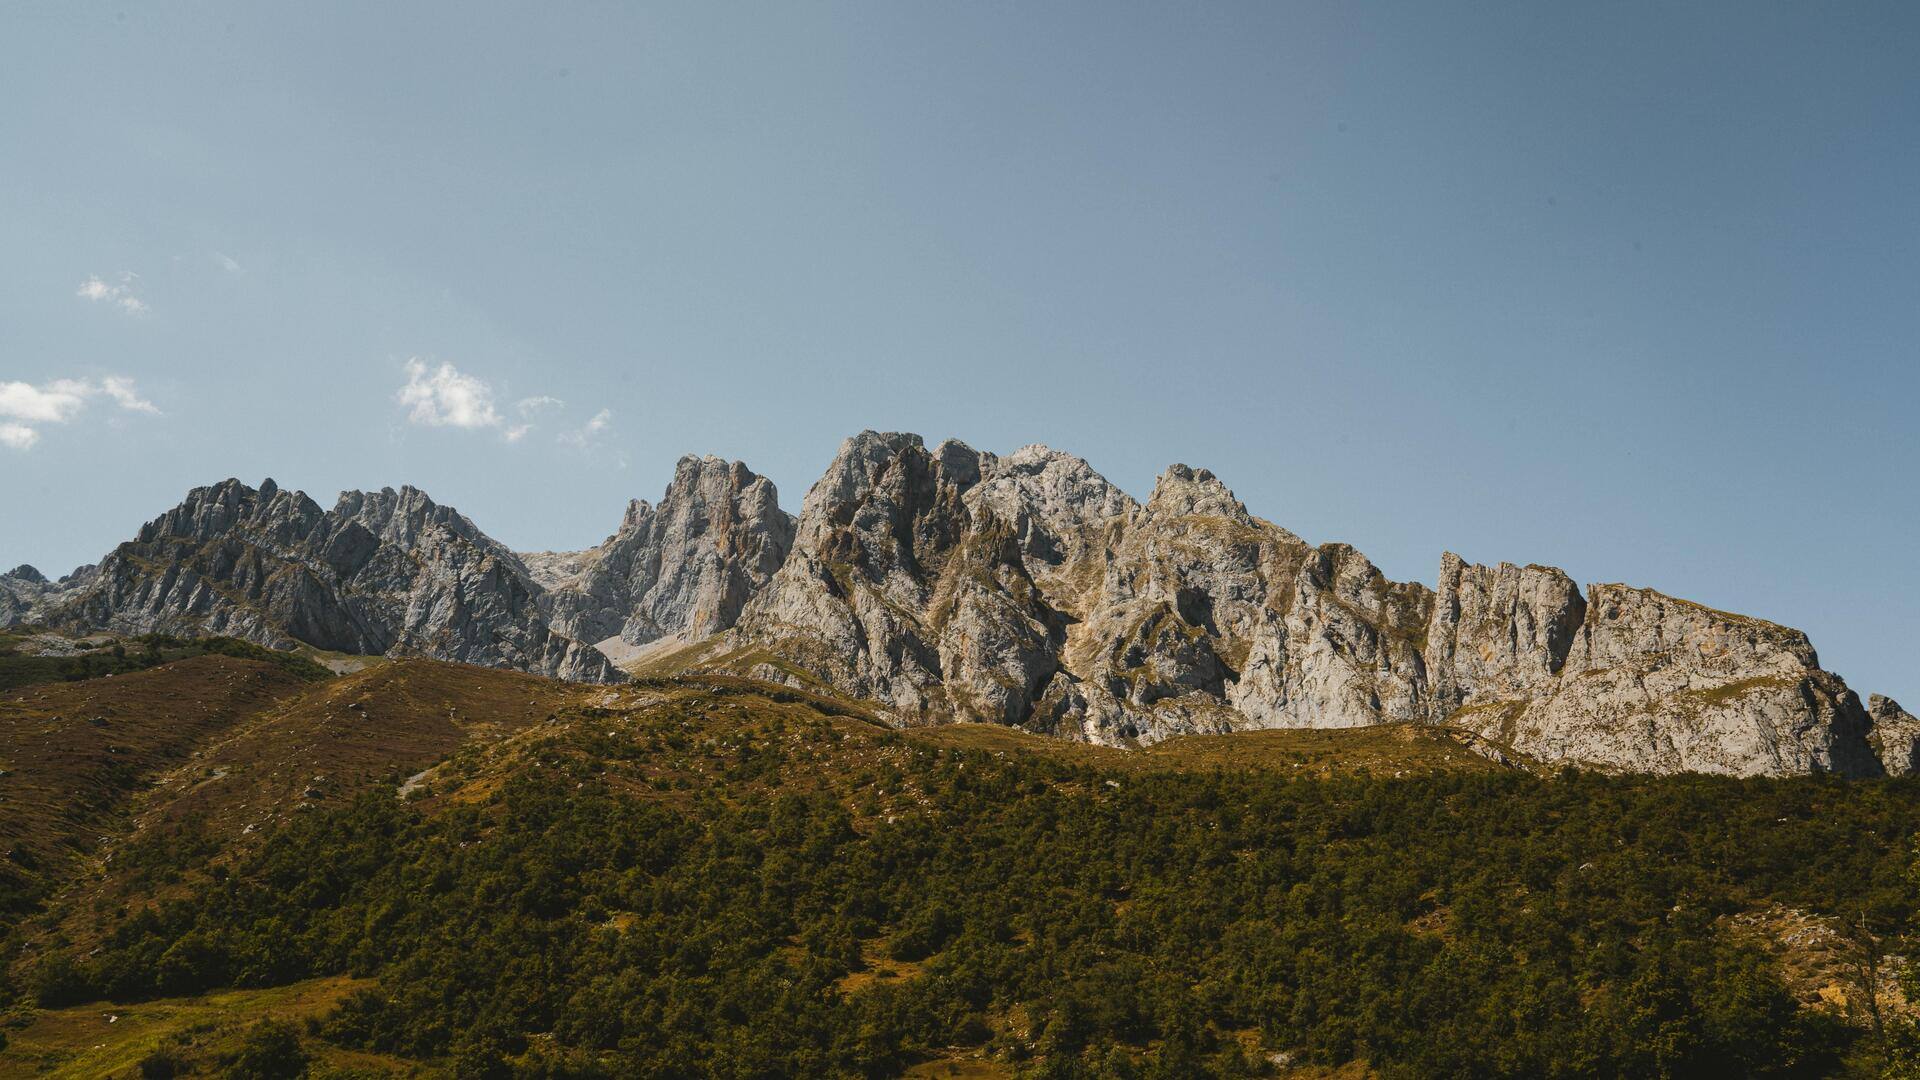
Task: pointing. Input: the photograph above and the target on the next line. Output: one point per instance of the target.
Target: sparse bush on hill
(270, 1051)
(139, 654)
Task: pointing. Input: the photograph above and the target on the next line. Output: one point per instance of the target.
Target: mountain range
(953, 584)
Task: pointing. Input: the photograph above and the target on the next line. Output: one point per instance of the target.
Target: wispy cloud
(121, 295)
(228, 263)
(528, 409)
(120, 389)
(441, 395)
(584, 436)
(445, 397)
(25, 408)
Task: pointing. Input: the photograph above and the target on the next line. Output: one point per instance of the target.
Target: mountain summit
(950, 584)
(384, 572)
(954, 585)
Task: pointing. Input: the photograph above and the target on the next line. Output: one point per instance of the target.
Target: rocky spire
(1895, 735)
(682, 568)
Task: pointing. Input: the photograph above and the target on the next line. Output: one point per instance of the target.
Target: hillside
(74, 754)
(435, 869)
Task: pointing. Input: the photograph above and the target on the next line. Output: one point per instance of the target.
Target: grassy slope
(292, 753)
(98, 770)
(106, 654)
(668, 739)
(227, 746)
(348, 734)
(235, 747)
(76, 752)
(89, 1041)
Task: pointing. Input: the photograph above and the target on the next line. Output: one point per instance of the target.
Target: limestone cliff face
(382, 572)
(948, 583)
(1895, 737)
(855, 600)
(1499, 629)
(682, 568)
(1636, 680)
(26, 596)
(954, 584)
(1209, 618)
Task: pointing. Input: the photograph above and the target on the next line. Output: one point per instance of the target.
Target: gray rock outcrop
(954, 584)
(1635, 680)
(854, 601)
(27, 597)
(382, 572)
(22, 590)
(683, 568)
(1028, 590)
(1202, 604)
(1895, 737)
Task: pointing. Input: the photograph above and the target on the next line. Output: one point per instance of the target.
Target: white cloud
(228, 263)
(121, 295)
(443, 397)
(120, 389)
(48, 403)
(528, 409)
(23, 406)
(584, 436)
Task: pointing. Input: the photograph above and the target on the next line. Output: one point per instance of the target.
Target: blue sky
(1629, 289)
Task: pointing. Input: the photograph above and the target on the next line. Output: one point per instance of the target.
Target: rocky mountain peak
(1056, 482)
(710, 484)
(1183, 492)
(207, 513)
(858, 466)
(1057, 510)
(692, 469)
(959, 463)
(952, 583)
(1895, 735)
(1499, 629)
(25, 594)
(1026, 589)
(383, 572)
(1633, 679)
(404, 517)
(682, 567)
(1626, 623)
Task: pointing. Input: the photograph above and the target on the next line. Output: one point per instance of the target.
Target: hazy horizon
(1634, 292)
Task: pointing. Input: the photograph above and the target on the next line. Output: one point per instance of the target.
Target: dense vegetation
(670, 900)
(136, 654)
